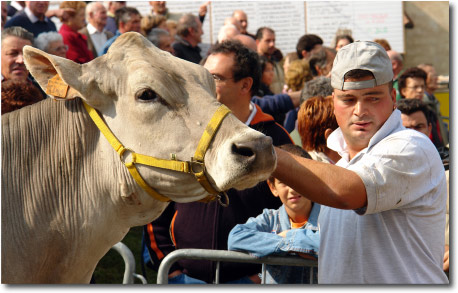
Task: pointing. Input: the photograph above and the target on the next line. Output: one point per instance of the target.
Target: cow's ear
(55, 75)
(61, 78)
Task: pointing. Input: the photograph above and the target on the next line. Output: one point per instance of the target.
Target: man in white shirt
(382, 218)
(97, 36)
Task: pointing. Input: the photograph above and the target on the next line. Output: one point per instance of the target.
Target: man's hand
(203, 9)
(62, 13)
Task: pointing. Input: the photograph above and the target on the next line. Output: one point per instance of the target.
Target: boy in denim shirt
(293, 228)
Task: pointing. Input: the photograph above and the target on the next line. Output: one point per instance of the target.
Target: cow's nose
(249, 150)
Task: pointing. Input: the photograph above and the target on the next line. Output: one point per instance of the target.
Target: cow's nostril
(243, 149)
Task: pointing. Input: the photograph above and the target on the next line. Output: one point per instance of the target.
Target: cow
(67, 195)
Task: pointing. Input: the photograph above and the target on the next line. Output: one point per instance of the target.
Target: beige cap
(361, 55)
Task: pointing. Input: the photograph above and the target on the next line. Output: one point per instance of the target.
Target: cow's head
(158, 105)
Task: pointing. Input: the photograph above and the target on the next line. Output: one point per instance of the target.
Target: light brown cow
(67, 197)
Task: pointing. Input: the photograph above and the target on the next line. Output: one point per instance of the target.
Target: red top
(78, 50)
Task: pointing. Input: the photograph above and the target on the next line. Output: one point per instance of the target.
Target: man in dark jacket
(237, 76)
(189, 35)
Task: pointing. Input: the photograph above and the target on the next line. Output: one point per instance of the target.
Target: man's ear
(247, 83)
(327, 133)
(393, 95)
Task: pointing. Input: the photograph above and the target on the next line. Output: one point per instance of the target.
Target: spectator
(315, 122)
(78, 50)
(13, 40)
(247, 41)
(237, 73)
(307, 44)
(33, 18)
(112, 6)
(161, 39)
(298, 73)
(17, 94)
(150, 22)
(13, 68)
(267, 69)
(233, 21)
(189, 35)
(319, 86)
(388, 191)
(241, 16)
(291, 229)
(160, 8)
(95, 32)
(290, 57)
(397, 65)
(52, 43)
(384, 43)
(227, 32)
(430, 99)
(265, 42)
(321, 61)
(128, 19)
(343, 40)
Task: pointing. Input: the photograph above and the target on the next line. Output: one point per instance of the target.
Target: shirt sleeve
(399, 172)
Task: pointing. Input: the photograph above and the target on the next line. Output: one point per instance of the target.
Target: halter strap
(196, 166)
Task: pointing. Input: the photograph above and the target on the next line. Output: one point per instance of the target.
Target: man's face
(99, 17)
(159, 7)
(165, 44)
(197, 34)
(242, 18)
(133, 25)
(361, 113)
(12, 59)
(417, 121)
(266, 45)
(38, 8)
(221, 65)
(414, 89)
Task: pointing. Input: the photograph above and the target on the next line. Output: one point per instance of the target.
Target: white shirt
(98, 38)
(399, 237)
(30, 15)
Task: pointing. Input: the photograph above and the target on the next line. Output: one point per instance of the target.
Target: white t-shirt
(399, 237)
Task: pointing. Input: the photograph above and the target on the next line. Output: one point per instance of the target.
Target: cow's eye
(147, 95)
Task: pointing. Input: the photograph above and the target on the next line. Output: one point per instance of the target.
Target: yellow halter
(196, 166)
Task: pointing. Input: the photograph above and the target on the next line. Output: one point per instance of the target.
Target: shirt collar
(91, 29)
(252, 114)
(336, 140)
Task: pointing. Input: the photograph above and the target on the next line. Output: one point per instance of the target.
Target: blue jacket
(276, 105)
(110, 42)
(258, 236)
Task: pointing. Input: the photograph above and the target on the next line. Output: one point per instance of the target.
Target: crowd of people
(353, 188)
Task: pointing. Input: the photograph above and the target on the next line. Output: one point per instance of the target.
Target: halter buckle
(123, 155)
(196, 166)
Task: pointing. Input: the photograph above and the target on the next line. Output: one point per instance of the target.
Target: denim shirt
(258, 236)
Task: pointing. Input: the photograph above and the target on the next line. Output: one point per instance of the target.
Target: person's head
(235, 22)
(161, 39)
(415, 115)
(267, 69)
(265, 41)
(247, 41)
(150, 22)
(13, 40)
(290, 57)
(227, 31)
(297, 74)
(396, 61)
(17, 94)
(128, 19)
(52, 43)
(315, 122)
(189, 28)
(343, 40)
(38, 8)
(115, 5)
(431, 77)
(296, 205)
(75, 20)
(321, 61)
(242, 18)
(412, 83)
(319, 86)
(384, 43)
(307, 44)
(159, 7)
(364, 97)
(96, 15)
(236, 71)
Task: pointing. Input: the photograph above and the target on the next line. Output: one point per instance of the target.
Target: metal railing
(229, 256)
(129, 261)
